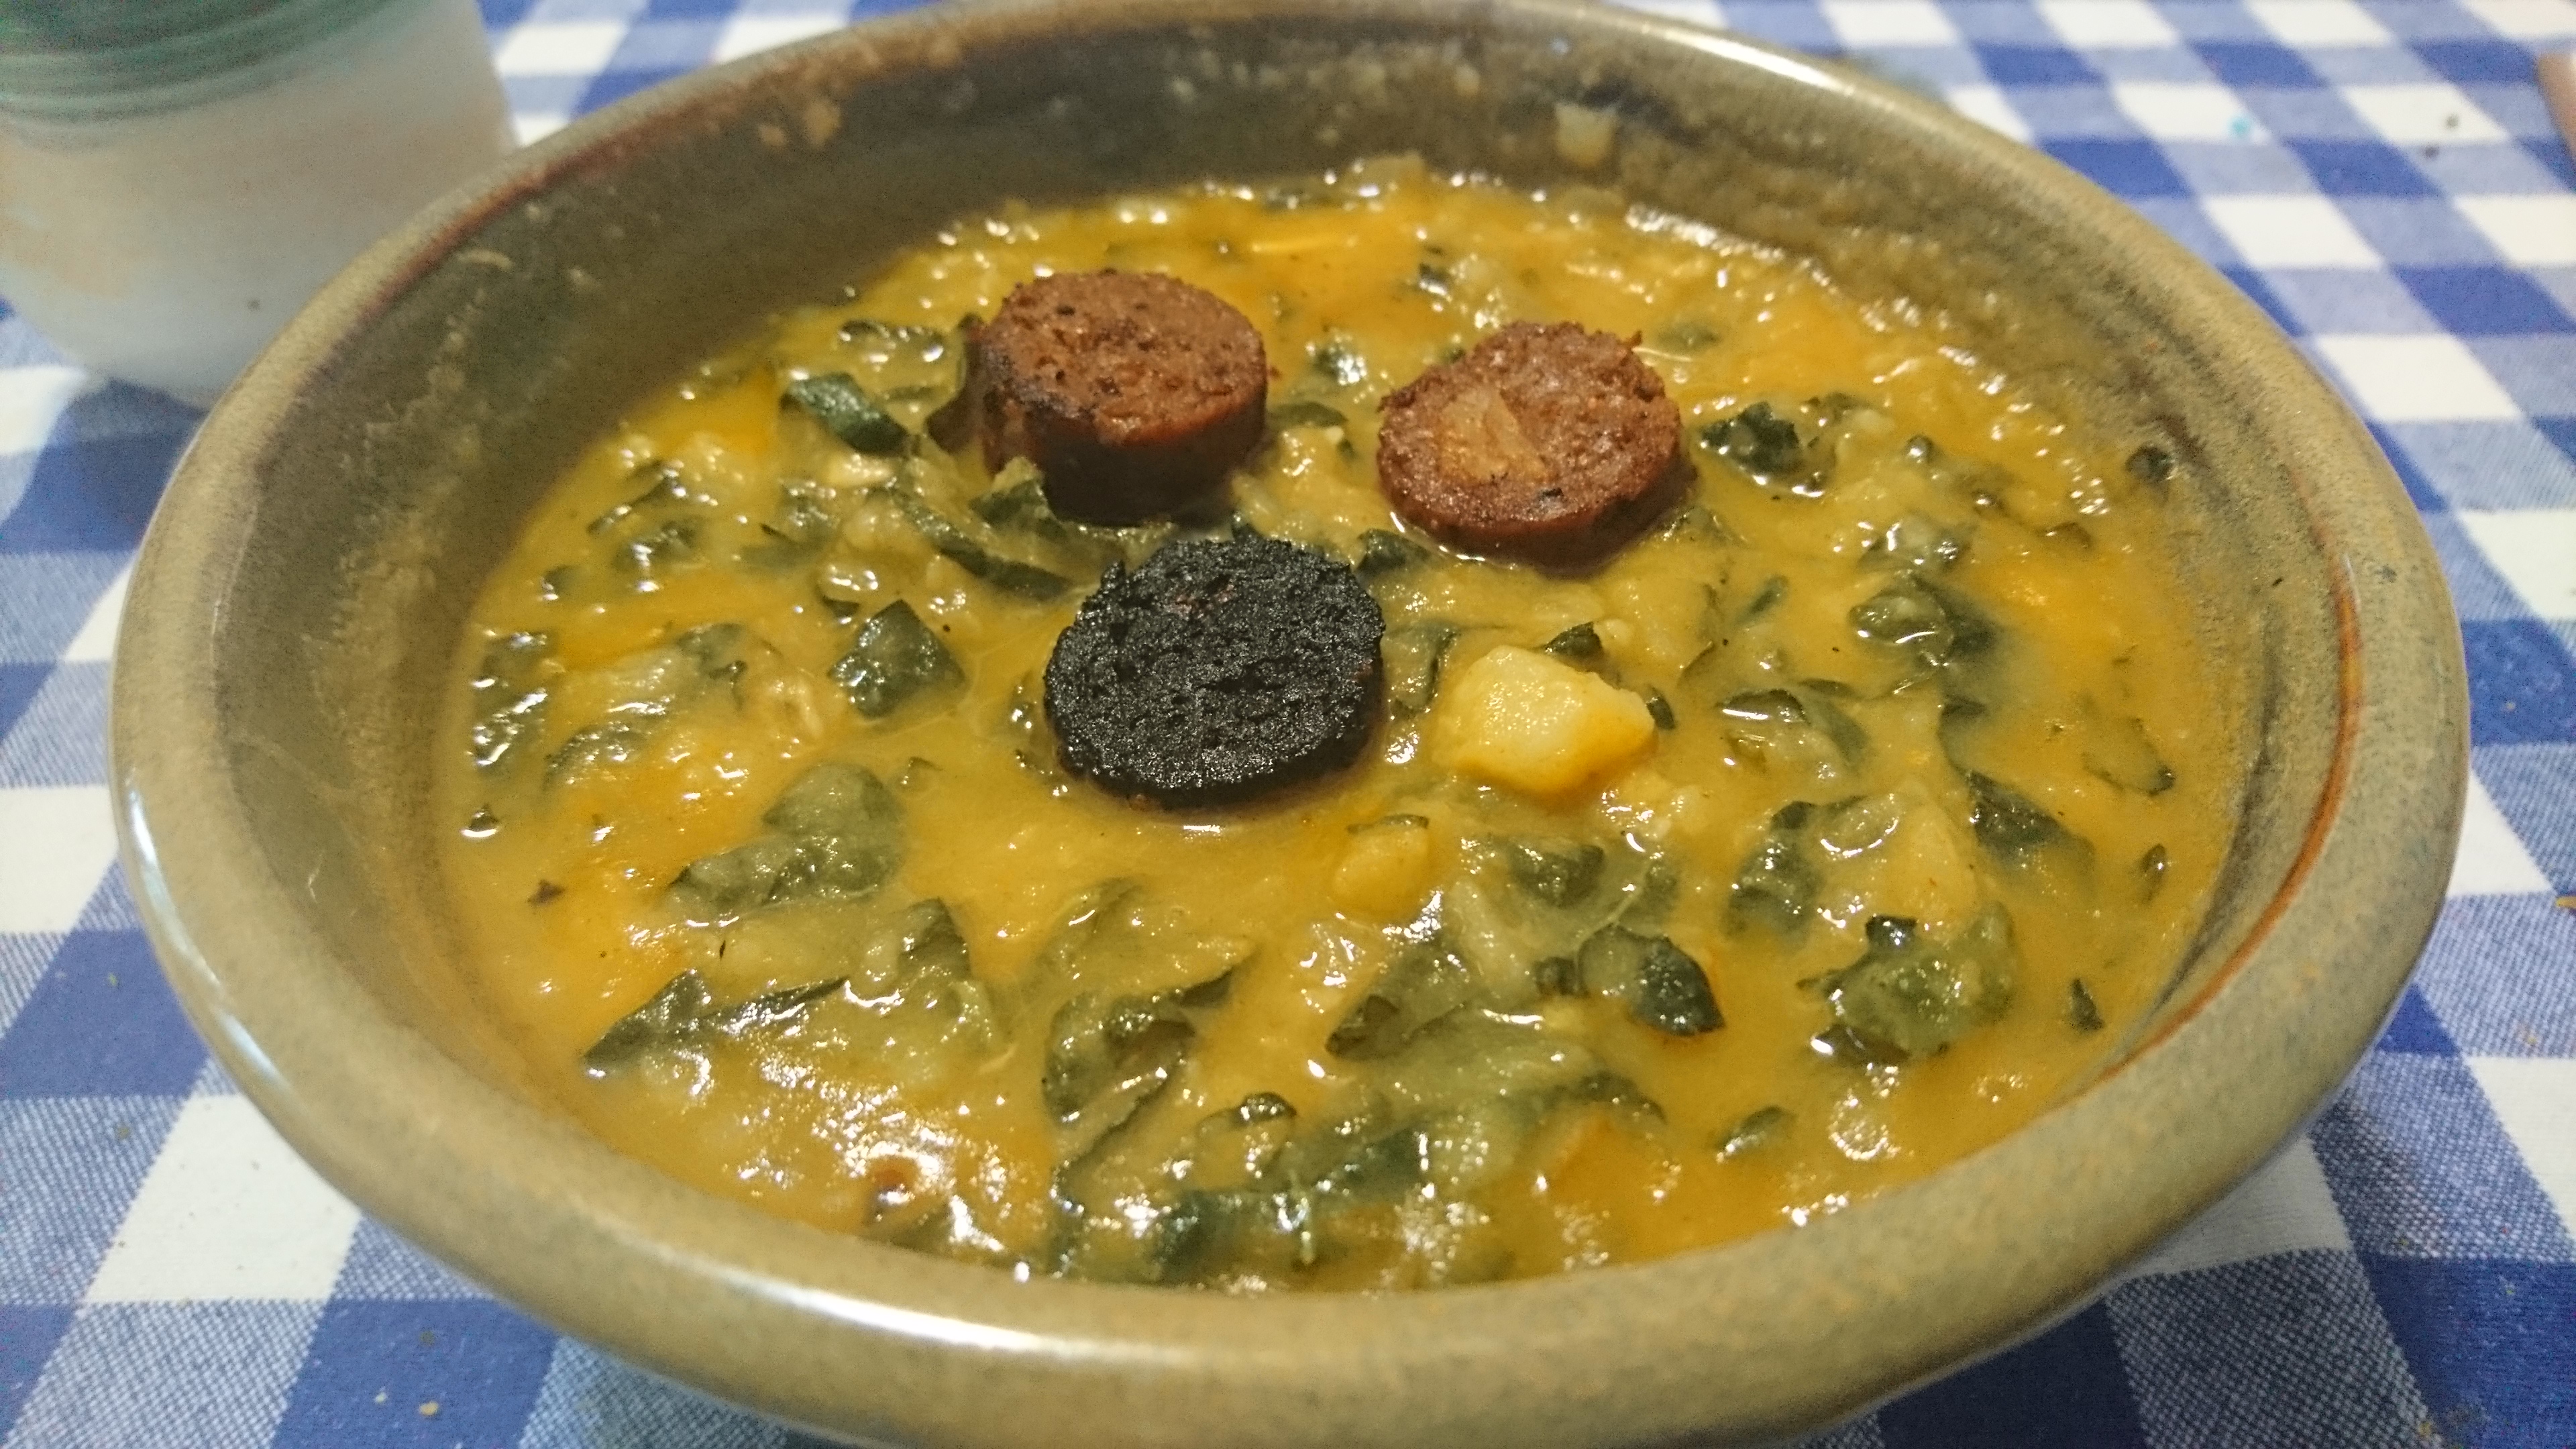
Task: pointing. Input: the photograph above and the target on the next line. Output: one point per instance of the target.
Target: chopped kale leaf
(2081, 1013)
(509, 692)
(618, 741)
(796, 530)
(1337, 362)
(1580, 644)
(1262, 1107)
(1558, 976)
(835, 832)
(659, 550)
(894, 659)
(1758, 1130)
(848, 413)
(665, 487)
(1777, 885)
(1908, 996)
(2118, 752)
(1764, 706)
(1011, 576)
(1915, 544)
(2010, 825)
(1119, 1046)
(1936, 625)
(1306, 413)
(1661, 709)
(1383, 552)
(1661, 985)
(1412, 655)
(1559, 872)
(1766, 598)
(1686, 336)
(1759, 441)
(684, 1017)
(2151, 872)
(1425, 982)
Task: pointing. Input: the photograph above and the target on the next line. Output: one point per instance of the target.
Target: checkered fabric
(2381, 177)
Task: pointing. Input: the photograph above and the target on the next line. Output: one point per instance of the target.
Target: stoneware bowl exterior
(300, 599)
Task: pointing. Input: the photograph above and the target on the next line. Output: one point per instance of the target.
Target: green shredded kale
(1011, 576)
(683, 1016)
(1383, 552)
(1580, 644)
(1412, 655)
(1661, 985)
(849, 413)
(1758, 1130)
(1777, 884)
(894, 659)
(2010, 825)
(1426, 981)
(509, 693)
(1759, 441)
(835, 832)
(1306, 413)
(2081, 1013)
(1908, 996)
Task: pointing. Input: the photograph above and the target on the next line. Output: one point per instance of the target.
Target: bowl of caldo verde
(1283, 724)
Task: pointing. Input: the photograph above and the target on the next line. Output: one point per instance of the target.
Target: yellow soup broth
(870, 959)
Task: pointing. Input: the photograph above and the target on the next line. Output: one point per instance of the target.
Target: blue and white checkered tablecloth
(2382, 177)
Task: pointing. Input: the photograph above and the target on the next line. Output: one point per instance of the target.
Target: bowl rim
(546, 1215)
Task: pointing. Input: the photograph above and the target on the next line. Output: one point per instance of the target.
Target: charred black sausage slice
(1549, 443)
(1134, 393)
(1221, 670)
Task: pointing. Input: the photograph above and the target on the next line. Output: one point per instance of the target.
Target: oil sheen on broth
(768, 861)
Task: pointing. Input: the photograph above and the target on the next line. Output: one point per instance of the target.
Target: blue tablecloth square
(2283, 1351)
(18, 686)
(2415, 1030)
(2036, 65)
(2477, 1201)
(2470, 62)
(68, 1168)
(2497, 301)
(2418, 231)
(2535, 786)
(2132, 168)
(2522, 685)
(101, 1022)
(2495, 971)
(2257, 63)
(2362, 168)
(61, 738)
(94, 497)
(50, 595)
(416, 1375)
(2488, 1339)
(168, 1375)
(2066, 1387)
(27, 1339)
(2502, 464)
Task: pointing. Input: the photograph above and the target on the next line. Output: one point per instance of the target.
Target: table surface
(2381, 177)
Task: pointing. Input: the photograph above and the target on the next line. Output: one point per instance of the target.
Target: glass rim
(80, 59)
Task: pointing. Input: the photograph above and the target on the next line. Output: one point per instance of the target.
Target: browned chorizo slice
(1546, 442)
(1133, 393)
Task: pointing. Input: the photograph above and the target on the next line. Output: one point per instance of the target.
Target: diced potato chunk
(1385, 871)
(1522, 719)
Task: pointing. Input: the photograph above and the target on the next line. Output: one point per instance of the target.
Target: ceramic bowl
(300, 598)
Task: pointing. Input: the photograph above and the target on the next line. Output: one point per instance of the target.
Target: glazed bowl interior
(302, 597)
